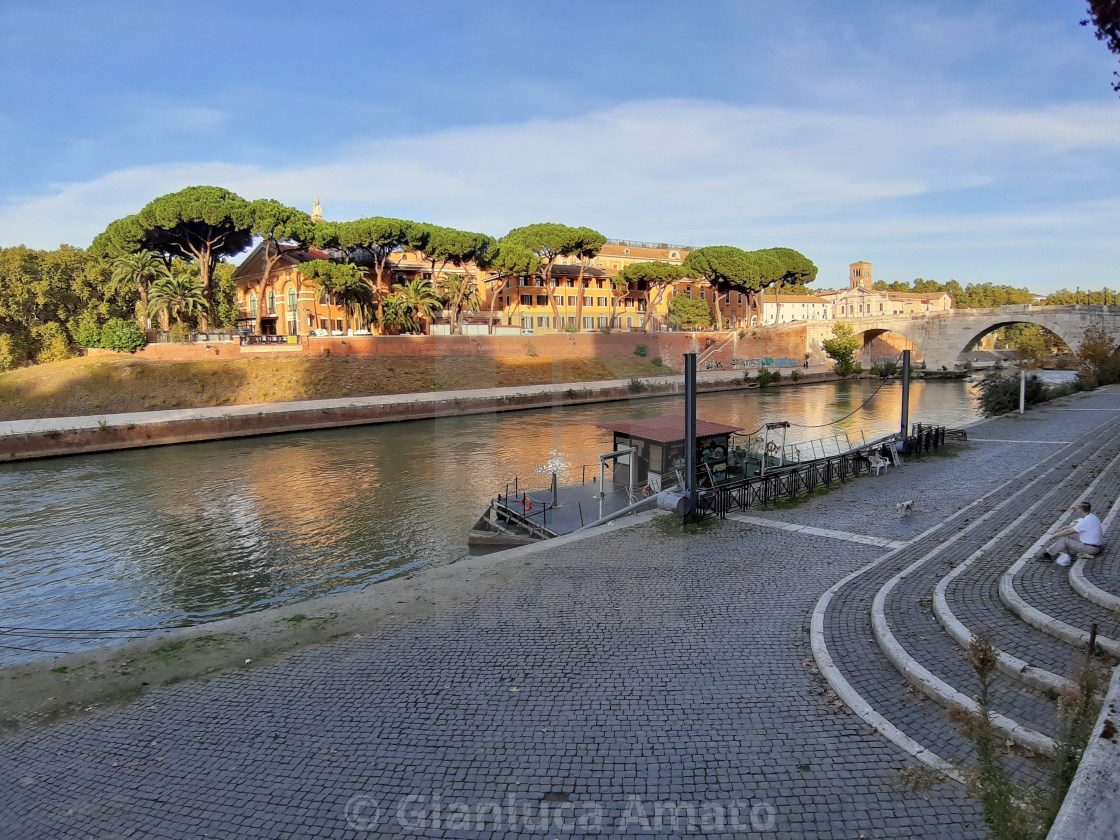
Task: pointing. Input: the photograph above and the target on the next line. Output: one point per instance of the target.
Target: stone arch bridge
(940, 337)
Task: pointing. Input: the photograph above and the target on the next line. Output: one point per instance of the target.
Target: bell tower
(859, 275)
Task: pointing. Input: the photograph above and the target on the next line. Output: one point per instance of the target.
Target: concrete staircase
(892, 638)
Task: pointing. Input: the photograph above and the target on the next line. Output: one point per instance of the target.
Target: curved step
(938, 688)
(1057, 626)
(1047, 623)
(1033, 675)
(1089, 590)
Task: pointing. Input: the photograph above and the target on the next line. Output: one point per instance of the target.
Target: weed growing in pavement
(1011, 811)
(674, 525)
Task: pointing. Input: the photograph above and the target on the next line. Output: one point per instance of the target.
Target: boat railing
(800, 479)
(796, 452)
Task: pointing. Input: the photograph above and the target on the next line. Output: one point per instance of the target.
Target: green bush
(181, 334)
(999, 394)
(8, 357)
(122, 336)
(53, 343)
(795, 374)
(636, 386)
(641, 350)
(768, 377)
(86, 330)
(657, 361)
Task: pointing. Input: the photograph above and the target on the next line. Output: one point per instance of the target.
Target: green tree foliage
(651, 277)
(508, 260)
(999, 394)
(1104, 16)
(458, 293)
(1031, 341)
(132, 277)
(1065, 297)
(178, 293)
(687, 313)
(347, 284)
(199, 224)
(417, 301)
(1094, 352)
(588, 243)
(972, 296)
(842, 349)
(225, 296)
(725, 267)
(549, 241)
(122, 336)
(8, 357)
(443, 246)
(50, 287)
(282, 229)
(53, 343)
(372, 240)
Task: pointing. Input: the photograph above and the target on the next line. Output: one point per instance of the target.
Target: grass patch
(674, 525)
(61, 669)
(81, 386)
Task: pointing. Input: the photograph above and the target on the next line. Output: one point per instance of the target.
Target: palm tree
(420, 298)
(179, 294)
(459, 293)
(136, 272)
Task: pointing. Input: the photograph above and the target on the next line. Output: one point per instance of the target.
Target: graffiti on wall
(764, 362)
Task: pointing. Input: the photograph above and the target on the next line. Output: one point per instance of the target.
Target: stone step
(851, 660)
(1098, 580)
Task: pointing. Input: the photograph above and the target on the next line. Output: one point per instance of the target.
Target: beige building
(861, 300)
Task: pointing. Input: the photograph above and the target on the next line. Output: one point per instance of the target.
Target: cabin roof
(667, 429)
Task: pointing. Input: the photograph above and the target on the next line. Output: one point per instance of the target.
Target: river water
(183, 534)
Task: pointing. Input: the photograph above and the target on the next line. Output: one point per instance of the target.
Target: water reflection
(201, 531)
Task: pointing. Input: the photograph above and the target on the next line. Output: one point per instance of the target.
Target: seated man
(1082, 537)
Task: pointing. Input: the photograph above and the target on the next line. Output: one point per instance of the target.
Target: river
(175, 535)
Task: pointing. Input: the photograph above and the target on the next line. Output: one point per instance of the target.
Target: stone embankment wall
(28, 439)
(777, 343)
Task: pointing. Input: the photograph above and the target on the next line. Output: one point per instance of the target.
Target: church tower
(859, 275)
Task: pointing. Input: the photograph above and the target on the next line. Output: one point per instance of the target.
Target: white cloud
(671, 170)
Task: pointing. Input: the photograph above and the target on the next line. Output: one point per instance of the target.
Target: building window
(571, 300)
(542, 321)
(602, 323)
(252, 306)
(588, 323)
(601, 301)
(324, 298)
(673, 255)
(291, 299)
(526, 300)
(587, 300)
(271, 302)
(629, 322)
(559, 299)
(703, 294)
(542, 300)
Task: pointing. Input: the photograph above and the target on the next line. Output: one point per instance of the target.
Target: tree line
(168, 262)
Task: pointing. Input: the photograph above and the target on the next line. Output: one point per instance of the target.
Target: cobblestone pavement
(1035, 486)
(618, 686)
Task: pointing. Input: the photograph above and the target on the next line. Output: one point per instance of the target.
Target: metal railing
(797, 480)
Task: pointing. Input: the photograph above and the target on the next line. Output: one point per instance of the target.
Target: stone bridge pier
(940, 337)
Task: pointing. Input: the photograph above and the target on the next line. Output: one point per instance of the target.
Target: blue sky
(964, 140)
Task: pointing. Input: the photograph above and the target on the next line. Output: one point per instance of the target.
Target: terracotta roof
(916, 294)
(667, 429)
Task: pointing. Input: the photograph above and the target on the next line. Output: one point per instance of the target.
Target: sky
(975, 141)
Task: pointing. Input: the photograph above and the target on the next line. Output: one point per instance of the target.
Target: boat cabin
(660, 441)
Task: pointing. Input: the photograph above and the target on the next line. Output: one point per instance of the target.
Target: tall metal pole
(690, 431)
(1022, 390)
(905, 392)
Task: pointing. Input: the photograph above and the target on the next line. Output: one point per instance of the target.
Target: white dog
(906, 507)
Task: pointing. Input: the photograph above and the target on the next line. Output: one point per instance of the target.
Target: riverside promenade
(781, 674)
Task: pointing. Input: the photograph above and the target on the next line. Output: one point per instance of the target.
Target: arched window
(271, 302)
(252, 306)
(291, 298)
(324, 298)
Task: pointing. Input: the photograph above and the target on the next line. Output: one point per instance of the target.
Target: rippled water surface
(188, 533)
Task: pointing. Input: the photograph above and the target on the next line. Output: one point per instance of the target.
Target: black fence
(762, 490)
